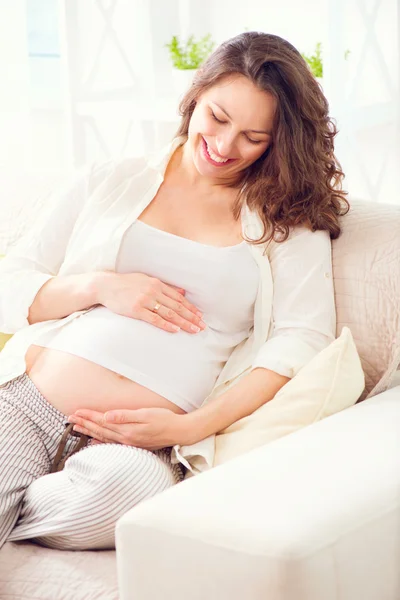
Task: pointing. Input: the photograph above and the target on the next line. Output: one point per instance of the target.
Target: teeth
(214, 157)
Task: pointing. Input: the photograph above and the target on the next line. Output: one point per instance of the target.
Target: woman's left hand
(149, 428)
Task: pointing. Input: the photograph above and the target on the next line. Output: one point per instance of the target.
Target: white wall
(302, 23)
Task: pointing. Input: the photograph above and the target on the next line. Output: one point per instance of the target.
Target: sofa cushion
(366, 272)
(29, 571)
(332, 381)
(27, 193)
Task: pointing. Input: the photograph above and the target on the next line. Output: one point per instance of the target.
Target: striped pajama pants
(76, 508)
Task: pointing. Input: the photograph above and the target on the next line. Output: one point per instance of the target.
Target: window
(44, 54)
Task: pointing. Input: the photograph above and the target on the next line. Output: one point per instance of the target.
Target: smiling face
(230, 128)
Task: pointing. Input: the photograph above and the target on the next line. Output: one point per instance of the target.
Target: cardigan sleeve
(38, 255)
(303, 310)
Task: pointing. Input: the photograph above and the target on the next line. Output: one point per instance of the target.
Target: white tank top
(182, 367)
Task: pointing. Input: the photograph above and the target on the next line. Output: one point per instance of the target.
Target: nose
(225, 145)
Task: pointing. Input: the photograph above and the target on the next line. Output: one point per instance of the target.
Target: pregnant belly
(70, 382)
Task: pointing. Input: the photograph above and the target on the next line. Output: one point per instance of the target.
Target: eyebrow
(252, 130)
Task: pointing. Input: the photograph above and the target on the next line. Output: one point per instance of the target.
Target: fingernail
(199, 314)
(194, 328)
(202, 324)
(176, 328)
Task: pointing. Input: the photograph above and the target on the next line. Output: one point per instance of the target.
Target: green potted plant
(186, 57)
(315, 62)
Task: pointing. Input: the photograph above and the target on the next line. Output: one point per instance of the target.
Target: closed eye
(246, 136)
(253, 141)
(215, 118)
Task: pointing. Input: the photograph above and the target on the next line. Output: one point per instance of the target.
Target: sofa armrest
(313, 515)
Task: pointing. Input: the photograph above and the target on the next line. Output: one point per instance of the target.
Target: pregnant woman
(151, 286)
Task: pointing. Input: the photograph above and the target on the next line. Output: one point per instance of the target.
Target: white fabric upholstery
(22, 196)
(312, 515)
(366, 273)
(31, 572)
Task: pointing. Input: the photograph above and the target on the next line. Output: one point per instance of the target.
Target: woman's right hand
(135, 295)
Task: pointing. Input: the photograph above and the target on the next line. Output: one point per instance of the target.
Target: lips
(210, 160)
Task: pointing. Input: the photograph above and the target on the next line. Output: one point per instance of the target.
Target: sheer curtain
(34, 157)
(14, 73)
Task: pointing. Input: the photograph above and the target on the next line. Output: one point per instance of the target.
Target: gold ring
(156, 307)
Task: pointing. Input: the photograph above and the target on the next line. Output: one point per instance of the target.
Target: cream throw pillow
(331, 381)
(3, 339)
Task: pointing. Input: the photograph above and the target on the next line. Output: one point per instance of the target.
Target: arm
(249, 393)
(303, 311)
(30, 288)
(304, 322)
(61, 296)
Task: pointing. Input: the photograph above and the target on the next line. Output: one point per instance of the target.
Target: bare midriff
(69, 382)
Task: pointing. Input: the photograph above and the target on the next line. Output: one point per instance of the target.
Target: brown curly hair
(297, 181)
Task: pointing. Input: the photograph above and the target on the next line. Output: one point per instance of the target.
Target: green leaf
(190, 54)
(314, 61)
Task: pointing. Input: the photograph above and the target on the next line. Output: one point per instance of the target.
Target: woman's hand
(135, 295)
(149, 428)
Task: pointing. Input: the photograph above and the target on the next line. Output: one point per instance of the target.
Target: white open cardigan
(81, 231)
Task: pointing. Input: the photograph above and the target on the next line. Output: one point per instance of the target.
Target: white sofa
(312, 516)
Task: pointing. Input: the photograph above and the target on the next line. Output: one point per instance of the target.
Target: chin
(202, 169)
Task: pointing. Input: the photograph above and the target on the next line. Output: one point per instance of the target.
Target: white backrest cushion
(22, 196)
(366, 272)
